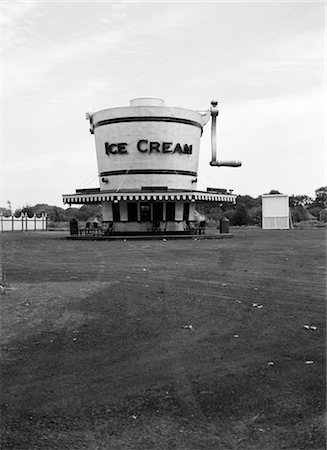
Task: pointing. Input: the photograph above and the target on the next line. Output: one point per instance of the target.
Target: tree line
(246, 211)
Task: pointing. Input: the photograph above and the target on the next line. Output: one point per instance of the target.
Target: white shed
(275, 212)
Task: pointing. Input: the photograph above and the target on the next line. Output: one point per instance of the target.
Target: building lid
(147, 101)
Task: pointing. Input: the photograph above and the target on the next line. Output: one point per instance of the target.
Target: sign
(145, 146)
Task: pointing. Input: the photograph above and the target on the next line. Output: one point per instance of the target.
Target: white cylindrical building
(147, 144)
(147, 156)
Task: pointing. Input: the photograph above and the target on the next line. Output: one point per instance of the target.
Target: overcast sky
(263, 61)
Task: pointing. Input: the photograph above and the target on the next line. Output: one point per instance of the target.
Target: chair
(202, 227)
(107, 227)
(156, 226)
(188, 227)
(111, 227)
(96, 229)
(86, 229)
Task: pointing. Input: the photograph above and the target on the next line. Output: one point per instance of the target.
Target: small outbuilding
(275, 212)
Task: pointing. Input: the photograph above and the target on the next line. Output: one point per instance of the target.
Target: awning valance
(82, 198)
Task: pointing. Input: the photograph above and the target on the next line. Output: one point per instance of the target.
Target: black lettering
(144, 146)
(154, 146)
(110, 148)
(122, 147)
(141, 142)
(188, 149)
(178, 148)
(165, 147)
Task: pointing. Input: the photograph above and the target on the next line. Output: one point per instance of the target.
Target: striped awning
(82, 198)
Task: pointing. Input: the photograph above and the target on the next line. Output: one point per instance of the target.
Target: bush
(315, 211)
(57, 226)
(299, 214)
(57, 214)
(240, 216)
(255, 215)
(215, 214)
(229, 213)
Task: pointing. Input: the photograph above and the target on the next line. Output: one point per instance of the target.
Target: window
(115, 212)
(170, 211)
(186, 211)
(145, 210)
(132, 212)
(157, 211)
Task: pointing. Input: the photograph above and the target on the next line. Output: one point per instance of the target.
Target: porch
(156, 227)
(155, 230)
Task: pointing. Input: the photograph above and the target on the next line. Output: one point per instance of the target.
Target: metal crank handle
(214, 113)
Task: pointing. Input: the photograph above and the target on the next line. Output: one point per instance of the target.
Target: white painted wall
(275, 212)
(131, 133)
(106, 211)
(179, 207)
(123, 211)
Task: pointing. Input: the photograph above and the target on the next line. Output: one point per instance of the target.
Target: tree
(71, 213)
(321, 197)
(58, 214)
(273, 191)
(229, 213)
(255, 215)
(215, 214)
(300, 200)
(87, 211)
(5, 212)
(299, 214)
(248, 201)
(240, 216)
(315, 211)
(27, 209)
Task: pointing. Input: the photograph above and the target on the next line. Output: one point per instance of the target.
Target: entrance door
(186, 211)
(132, 212)
(157, 211)
(170, 211)
(145, 212)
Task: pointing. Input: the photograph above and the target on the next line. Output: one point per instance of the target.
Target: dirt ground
(167, 344)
